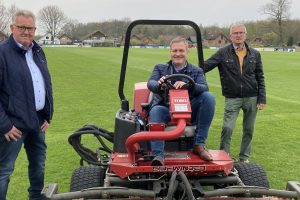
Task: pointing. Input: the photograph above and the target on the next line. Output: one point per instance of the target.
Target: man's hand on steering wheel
(177, 84)
(165, 82)
(180, 84)
(161, 80)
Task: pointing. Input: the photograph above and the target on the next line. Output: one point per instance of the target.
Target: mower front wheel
(252, 174)
(87, 177)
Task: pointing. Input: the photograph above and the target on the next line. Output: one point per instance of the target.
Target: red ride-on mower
(126, 172)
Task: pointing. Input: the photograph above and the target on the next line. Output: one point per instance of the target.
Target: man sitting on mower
(202, 101)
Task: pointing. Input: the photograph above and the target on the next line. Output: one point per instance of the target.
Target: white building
(46, 39)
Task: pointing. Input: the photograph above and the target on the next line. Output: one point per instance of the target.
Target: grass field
(85, 84)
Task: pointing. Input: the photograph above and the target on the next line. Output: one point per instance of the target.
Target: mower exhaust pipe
(133, 140)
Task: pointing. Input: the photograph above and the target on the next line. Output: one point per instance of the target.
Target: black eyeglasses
(238, 33)
(24, 28)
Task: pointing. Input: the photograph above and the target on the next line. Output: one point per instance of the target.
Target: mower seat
(146, 106)
(189, 130)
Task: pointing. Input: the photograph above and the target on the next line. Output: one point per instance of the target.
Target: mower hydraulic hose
(153, 135)
(187, 185)
(173, 184)
(85, 153)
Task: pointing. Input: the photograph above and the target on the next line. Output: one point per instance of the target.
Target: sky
(206, 12)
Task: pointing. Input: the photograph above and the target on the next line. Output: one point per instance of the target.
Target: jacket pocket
(252, 64)
(230, 65)
(229, 62)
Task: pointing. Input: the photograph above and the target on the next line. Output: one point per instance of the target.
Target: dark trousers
(35, 146)
(231, 112)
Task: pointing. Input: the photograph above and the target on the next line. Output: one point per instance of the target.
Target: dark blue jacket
(17, 102)
(196, 73)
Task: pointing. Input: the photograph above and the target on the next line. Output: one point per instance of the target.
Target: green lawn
(85, 84)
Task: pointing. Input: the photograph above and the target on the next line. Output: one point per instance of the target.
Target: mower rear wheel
(87, 177)
(252, 174)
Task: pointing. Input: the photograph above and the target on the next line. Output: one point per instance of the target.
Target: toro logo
(182, 100)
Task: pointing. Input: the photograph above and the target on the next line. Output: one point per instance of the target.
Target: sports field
(85, 84)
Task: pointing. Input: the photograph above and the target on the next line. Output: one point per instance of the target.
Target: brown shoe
(157, 161)
(202, 152)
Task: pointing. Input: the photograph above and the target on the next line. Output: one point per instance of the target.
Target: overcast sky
(205, 12)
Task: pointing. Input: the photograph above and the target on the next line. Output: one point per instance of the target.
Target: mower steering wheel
(168, 85)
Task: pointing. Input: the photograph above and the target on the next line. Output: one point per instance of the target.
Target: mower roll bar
(124, 101)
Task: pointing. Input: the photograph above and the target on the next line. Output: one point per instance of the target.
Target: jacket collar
(246, 45)
(18, 49)
(188, 66)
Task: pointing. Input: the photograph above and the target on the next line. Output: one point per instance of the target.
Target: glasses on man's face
(238, 33)
(24, 28)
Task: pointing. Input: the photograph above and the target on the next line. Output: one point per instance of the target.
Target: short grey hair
(237, 25)
(178, 40)
(24, 13)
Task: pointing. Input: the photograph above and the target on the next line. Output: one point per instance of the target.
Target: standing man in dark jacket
(26, 103)
(202, 101)
(243, 85)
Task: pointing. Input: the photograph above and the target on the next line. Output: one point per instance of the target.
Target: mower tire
(252, 174)
(87, 177)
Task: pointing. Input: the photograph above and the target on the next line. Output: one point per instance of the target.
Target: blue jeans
(35, 146)
(203, 109)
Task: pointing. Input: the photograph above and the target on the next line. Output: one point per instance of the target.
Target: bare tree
(5, 16)
(51, 20)
(2, 15)
(278, 10)
(70, 27)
